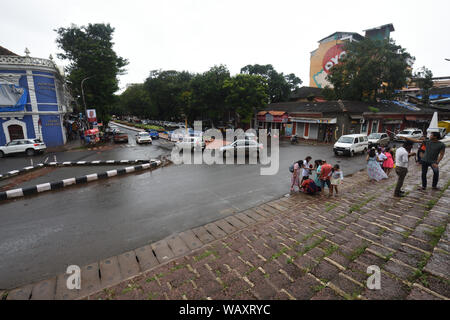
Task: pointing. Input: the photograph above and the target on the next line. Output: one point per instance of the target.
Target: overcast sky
(195, 35)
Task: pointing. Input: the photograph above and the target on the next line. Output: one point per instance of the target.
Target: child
(336, 177)
(388, 164)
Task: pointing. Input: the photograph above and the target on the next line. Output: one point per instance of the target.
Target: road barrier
(21, 192)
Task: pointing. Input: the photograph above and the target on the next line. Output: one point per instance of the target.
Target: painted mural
(322, 60)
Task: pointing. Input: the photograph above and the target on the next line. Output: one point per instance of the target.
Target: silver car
(378, 139)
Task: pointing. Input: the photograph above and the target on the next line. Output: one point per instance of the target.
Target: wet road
(41, 235)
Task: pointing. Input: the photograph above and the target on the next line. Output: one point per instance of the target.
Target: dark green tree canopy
(371, 69)
(424, 79)
(280, 85)
(89, 50)
(246, 94)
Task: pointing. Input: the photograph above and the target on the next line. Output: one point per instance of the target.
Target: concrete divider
(21, 192)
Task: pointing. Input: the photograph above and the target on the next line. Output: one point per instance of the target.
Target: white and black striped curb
(128, 127)
(21, 192)
(68, 164)
(20, 171)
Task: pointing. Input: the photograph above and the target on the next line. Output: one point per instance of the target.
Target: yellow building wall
(325, 56)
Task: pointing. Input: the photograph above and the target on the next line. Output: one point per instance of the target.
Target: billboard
(322, 60)
(91, 115)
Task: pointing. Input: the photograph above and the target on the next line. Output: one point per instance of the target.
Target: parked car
(143, 137)
(250, 146)
(120, 137)
(410, 133)
(378, 139)
(29, 146)
(350, 144)
(193, 143)
(153, 133)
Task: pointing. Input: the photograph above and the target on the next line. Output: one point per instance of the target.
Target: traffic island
(21, 192)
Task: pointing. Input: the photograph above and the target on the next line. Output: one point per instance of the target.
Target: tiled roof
(6, 52)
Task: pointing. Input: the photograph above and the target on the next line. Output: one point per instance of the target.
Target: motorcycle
(294, 139)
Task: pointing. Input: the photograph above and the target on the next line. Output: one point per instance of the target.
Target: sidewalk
(298, 247)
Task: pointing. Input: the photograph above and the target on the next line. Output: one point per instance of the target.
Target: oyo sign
(332, 57)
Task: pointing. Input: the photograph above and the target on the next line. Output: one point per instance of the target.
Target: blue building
(33, 99)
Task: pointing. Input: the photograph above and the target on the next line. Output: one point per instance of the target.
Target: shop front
(313, 128)
(274, 120)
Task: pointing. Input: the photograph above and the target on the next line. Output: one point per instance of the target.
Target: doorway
(15, 132)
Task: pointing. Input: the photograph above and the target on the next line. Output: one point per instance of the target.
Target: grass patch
(357, 252)
(358, 206)
(330, 207)
(435, 234)
(206, 254)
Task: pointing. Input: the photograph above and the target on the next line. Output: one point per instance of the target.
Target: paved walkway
(297, 247)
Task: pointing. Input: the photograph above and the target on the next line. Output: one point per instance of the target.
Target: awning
(356, 116)
(315, 120)
(274, 113)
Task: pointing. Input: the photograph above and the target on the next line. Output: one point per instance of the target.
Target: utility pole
(82, 94)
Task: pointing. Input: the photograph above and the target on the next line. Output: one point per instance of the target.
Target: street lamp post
(82, 94)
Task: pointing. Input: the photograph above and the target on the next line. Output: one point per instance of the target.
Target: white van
(350, 144)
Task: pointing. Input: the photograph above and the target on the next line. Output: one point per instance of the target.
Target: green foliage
(371, 69)
(328, 93)
(280, 86)
(424, 81)
(246, 94)
(89, 50)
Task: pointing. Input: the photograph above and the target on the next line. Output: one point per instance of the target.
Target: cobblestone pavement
(297, 247)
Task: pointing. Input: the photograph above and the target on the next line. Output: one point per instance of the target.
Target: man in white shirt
(401, 166)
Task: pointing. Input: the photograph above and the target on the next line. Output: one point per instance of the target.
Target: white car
(192, 143)
(248, 145)
(410, 133)
(350, 144)
(143, 137)
(29, 146)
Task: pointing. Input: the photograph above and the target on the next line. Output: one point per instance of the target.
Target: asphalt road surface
(41, 235)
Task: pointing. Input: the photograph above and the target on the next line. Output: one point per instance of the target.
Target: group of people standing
(430, 154)
(380, 162)
(315, 177)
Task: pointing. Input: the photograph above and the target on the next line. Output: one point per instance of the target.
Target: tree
(89, 50)
(246, 94)
(209, 94)
(135, 100)
(280, 86)
(371, 69)
(168, 92)
(424, 80)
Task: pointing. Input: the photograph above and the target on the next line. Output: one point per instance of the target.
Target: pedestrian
(388, 164)
(309, 186)
(434, 152)
(306, 168)
(401, 166)
(295, 179)
(380, 156)
(317, 168)
(336, 178)
(325, 173)
(374, 170)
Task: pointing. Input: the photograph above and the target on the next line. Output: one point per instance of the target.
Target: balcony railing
(27, 61)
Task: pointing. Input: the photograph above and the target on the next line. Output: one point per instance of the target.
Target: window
(356, 140)
(361, 139)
